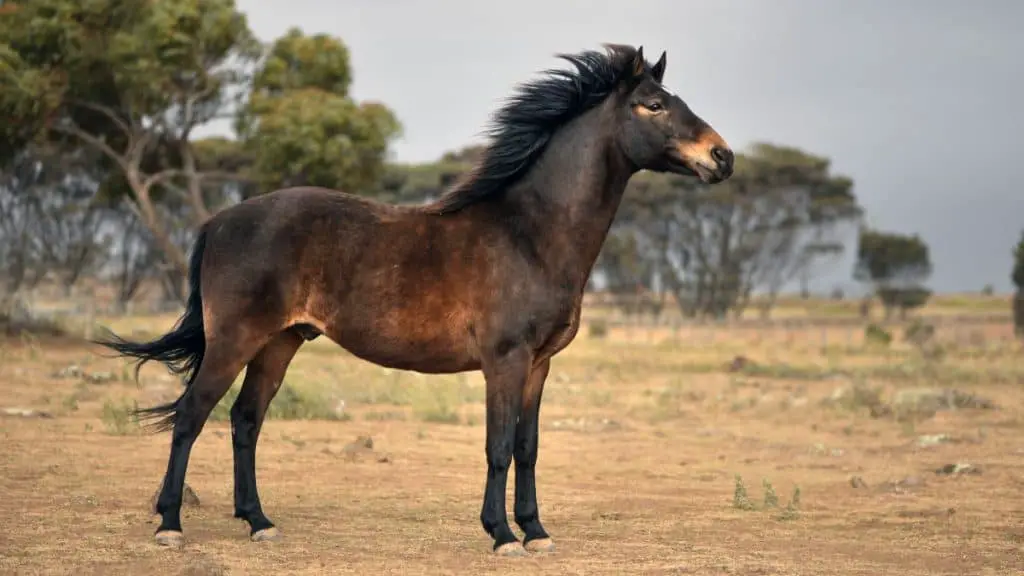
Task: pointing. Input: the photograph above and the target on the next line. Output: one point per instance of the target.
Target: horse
(490, 276)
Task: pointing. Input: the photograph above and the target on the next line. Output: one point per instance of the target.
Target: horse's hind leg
(262, 380)
(224, 359)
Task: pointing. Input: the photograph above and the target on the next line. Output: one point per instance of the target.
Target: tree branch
(73, 129)
(106, 111)
(161, 177)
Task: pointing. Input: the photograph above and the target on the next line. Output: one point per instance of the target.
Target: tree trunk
(148, 215)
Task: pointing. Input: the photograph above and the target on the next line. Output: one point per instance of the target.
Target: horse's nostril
(722, 155)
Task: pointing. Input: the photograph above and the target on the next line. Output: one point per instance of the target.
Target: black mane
(523, 126)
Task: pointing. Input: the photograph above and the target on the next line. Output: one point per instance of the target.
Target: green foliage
(130, 80)
(896, 265)
(299, 62)
(919, 333)
(875, 335)
(135, 59)
(27, 96)
(792, 510)
(302, 128)
(771, 500)
(311, 137)
(740, 500)
(291, 403)
(885, 258)
(903, 299)
(118, 417)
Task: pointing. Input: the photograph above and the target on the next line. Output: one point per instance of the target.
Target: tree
(131, 79)
(1017, 276)
(50, 219)
(896, 265)
(302, 128)
(782, 213)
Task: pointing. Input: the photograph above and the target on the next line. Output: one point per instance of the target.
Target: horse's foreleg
(535, 539)
(506, 376)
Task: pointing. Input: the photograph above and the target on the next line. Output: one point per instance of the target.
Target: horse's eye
(653, 106)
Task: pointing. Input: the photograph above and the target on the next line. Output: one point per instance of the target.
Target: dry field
(659, 454)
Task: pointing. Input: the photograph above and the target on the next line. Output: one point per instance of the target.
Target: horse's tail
(181, 349)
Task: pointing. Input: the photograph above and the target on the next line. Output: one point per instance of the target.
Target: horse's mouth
(686, 168)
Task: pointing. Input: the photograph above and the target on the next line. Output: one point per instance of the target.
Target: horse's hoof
(510, 550)
(540, 545)
(265, 535)
(170, 538)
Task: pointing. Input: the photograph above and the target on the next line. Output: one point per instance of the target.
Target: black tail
(181, 349)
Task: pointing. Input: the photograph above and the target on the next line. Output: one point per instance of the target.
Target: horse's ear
(659, 69)
(639, 65)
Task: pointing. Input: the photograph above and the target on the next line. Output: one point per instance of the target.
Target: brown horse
(490, 276)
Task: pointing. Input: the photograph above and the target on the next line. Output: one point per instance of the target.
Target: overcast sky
(921, 102)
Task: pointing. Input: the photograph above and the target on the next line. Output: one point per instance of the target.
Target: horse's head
(660, 132)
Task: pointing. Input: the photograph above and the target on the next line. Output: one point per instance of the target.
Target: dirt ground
(637, 475)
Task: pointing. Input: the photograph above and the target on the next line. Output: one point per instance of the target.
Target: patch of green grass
(792, 509)
(771, 500)
(740, 500)
(117, 417)
(293, 401)
(786, 371)
(437, 402)
(70, 402)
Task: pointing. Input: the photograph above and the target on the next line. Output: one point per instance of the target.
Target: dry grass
(660, 454)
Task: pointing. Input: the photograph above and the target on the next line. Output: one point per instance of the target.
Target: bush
(875, 335)
(918, 333)
(598, 329)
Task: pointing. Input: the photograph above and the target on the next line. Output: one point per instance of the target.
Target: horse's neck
(569, 199)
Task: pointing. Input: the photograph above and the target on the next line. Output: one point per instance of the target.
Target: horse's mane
(521, 128)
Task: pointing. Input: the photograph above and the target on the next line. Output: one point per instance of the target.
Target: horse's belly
(420, 351)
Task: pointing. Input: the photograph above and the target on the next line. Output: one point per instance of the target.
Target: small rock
(925, 402)
(857, 482)
(855, 396)
(360, 443)
(958, 469)
(906, 483)
(353, 450)
(585, 425)
(798, 402)
(99, 377)
(929, 440)
(25, 413)
(71, 371)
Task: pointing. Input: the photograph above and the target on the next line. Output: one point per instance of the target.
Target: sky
(916, 100)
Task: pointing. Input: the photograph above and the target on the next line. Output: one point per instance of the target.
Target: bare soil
(622, 490)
